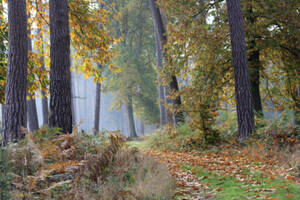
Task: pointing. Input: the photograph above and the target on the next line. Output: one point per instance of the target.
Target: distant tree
(243, 95)
(97, 105)
(60, 75)
(32, 115)
(16, 84)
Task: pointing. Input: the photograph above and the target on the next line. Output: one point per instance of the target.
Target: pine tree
(60, 75)
(16, 79)
(241, 72)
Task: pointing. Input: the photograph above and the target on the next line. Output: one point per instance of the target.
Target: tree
(161, 33)
(97, 105)
(243, 95)
(255, 66)
(31, 104)
(60, 75)
(16, 84)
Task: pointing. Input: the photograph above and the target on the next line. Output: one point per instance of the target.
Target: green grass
(142, 144)
(233, 189)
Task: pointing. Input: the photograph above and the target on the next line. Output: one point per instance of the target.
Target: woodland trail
(227, 165)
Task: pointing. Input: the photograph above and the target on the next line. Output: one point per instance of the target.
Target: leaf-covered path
(251, 176)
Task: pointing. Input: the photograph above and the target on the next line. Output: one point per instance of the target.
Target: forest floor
(227, 173)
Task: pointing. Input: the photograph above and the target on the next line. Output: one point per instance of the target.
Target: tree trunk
(161, 91)
(16, 79)
(243, 95)
(132, 131)
(73, 101)
(161, 33)
(142, 127)
(254, 65)
(32, 115)
(60, 75)
(170, 116)
(45, 108)
(97, 105)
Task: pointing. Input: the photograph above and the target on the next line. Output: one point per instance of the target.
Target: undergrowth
(50, 165)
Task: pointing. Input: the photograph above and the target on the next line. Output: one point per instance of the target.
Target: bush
(4, 174)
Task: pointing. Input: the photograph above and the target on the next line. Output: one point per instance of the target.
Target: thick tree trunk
(32, 115)
(254, 64)
(16, 79)
(161, 91)
(243, 95)
(97, 105)
(132, 131)
(60, 75)
(161, 33)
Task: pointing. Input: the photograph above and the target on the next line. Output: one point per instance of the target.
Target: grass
(142, 144)
(257, 187)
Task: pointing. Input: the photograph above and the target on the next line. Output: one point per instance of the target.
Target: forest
(149, 99)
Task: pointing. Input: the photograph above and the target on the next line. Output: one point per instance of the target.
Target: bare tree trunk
(32, 115)
(45, 108)
(161, 92)
(254, 64)
(161, 34)
(132, 131)
(16, 79)
(60, 75)
(97, 105)
(243, 95)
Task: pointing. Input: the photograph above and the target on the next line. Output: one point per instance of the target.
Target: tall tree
(161, 33)
(132, 130)
(32, 115)
(255, 65)
(161, 88)
(243, 95)
(16, 80)
(97, 105)
(60, 75)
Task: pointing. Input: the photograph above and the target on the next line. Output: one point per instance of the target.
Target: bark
(161, 34)
(254, 66)
(161, 91)
(60, 75)
(16, 79)
(97, 105)
(132, 131)
(32, 115)
(243, 95)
